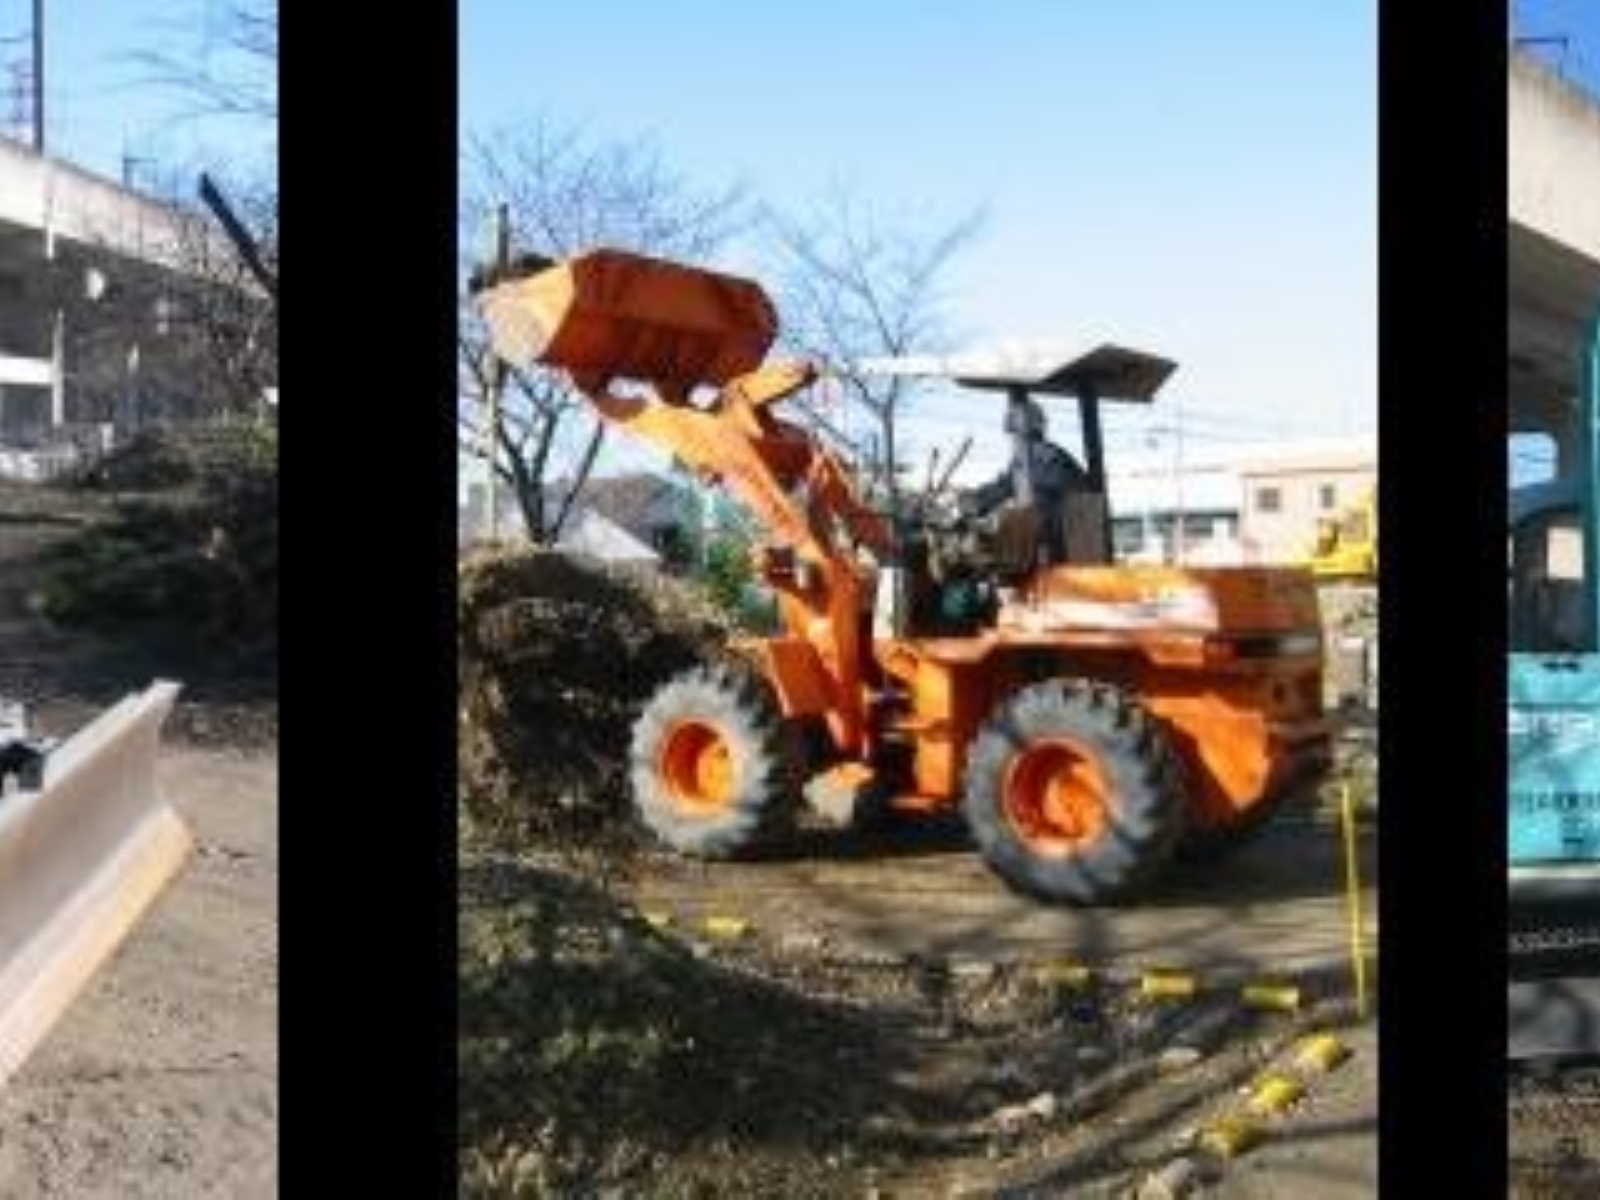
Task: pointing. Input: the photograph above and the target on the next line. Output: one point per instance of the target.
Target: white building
(1249, 504)
(1291, 486)
(1153, 500)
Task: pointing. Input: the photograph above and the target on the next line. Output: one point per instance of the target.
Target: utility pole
(497, 378)
(38, 76)
(129, 162)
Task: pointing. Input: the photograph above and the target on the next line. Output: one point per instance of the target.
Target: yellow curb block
(1230, 1137)
(1321, 1053)
(726, 927)
(1164, 984)
(1273, 1094)
(1063, 972)
(1276, 994)
(656, 917)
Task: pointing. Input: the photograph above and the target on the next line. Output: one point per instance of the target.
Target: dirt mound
(556, 656)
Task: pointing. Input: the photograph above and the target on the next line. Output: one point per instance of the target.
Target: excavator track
(1553, 960)
(1553, 1048)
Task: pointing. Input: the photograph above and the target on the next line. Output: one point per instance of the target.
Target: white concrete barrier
(81, 858)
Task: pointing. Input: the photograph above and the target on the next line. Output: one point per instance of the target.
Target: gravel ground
(903, 1067)
(161, 1079)
(860, 1016)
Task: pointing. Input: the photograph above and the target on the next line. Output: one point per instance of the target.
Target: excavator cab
(1553, 680)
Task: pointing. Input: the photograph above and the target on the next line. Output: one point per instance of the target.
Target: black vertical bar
(1017, 414)
(368, 281)
(1094, 451)
(1442, 354)
(1093, 444)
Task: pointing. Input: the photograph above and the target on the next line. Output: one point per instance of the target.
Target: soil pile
(556, 656)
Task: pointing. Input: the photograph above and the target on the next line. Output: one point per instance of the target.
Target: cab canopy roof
(1110, 371)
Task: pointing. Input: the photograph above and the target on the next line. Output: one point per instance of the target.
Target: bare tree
(222, 60)
(857, 285)
(193, 335)
(180, 332)
(566, 193)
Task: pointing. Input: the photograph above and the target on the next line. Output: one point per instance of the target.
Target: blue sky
(1200, 176)
(95, 105)
(1576, 22)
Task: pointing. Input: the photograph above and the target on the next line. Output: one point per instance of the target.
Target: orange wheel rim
(696, 764)
(1055, 798)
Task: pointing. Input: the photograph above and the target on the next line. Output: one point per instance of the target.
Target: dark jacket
(1052, 474)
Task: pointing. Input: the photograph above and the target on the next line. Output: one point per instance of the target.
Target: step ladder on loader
(86, 844)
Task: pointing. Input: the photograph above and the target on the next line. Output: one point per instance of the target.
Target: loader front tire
(712, 765)
(1073, 793)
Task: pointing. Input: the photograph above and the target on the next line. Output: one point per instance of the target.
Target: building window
(1532, 458)
(1127, 536)
(1268, 500)
(1327, 497)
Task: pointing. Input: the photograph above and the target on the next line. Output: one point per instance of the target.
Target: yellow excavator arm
(1347, 545)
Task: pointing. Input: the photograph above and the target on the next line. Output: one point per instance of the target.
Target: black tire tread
(742, 705)
(1135, 751)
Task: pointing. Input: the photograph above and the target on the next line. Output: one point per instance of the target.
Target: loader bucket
(614, 314)
(82, 856)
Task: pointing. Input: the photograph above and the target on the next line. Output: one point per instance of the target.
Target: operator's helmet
(1026, 418)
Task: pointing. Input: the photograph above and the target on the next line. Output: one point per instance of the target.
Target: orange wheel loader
(1088, 720)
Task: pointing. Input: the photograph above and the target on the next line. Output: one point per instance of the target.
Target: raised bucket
(616, 314)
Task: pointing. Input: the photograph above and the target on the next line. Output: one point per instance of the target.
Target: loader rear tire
(1073, 793)
(713, 767)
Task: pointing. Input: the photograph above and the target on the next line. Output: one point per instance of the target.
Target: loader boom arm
(608, 316)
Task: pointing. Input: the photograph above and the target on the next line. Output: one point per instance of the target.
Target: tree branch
(584, 467)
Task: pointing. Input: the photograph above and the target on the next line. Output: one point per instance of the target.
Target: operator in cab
(1040, 469)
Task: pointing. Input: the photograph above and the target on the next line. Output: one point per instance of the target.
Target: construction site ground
(940, 1058)
(161, 1078)
(1277, 904)
(848, 1014)
(920, 903)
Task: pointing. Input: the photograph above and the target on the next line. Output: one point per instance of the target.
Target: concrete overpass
(69, 239)
(1553, 248)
